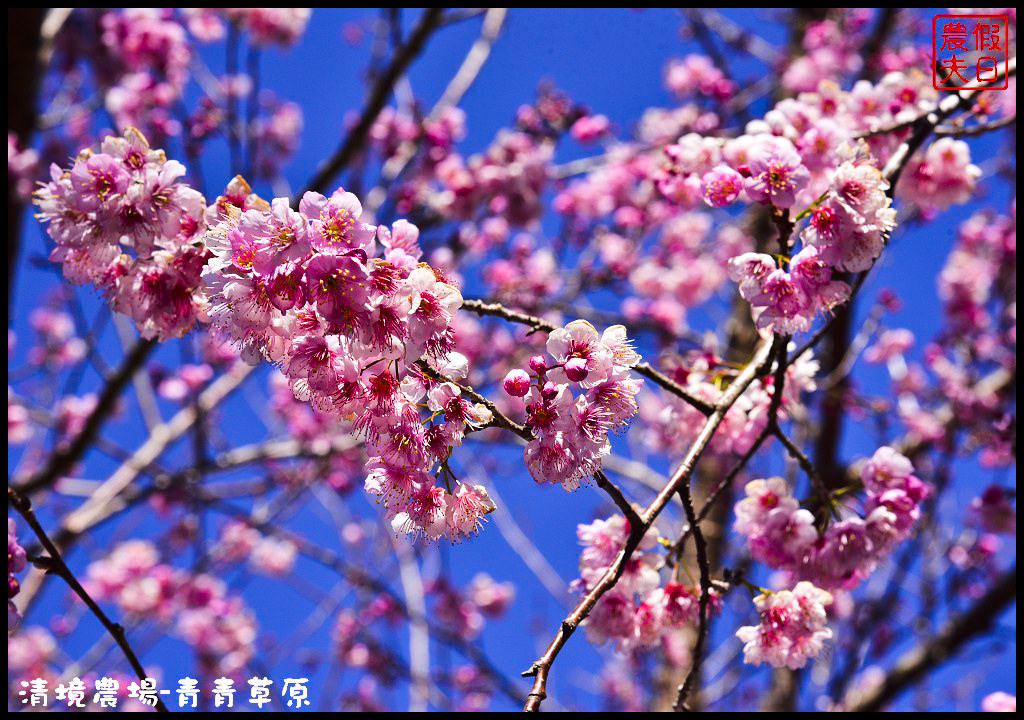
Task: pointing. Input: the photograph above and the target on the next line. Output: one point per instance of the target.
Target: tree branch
(56, 565)
(916, 663)
(63, 459)
(537, 324)
(542, 667)
(379, 94)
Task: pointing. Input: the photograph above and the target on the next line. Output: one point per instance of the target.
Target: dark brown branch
(24, 72)
(705, 596)
(618, 498)
(64, 458)
(56, 565)
(805, 463)
(915, 664)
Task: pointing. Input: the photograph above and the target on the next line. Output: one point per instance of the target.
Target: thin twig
(64, 458)
(379, 94)
(537, 324)
(55, 564)
(974, 130)
(705, 596)
(464, 77)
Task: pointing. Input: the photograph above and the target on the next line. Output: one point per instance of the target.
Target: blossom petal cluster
(850, 226)
(362, 330)
(16, 562)
(942, 176)
(219, 626)
(784, 535)
(122, 221)
(571, 431)
(265, 26)
(638, 611)
(787, 301)
(673, 424)
(813, 162)
(792, 627)
(146, 67)
(846, 232)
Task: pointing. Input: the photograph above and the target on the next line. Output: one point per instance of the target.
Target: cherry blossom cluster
(145, 67)
(813, 160)
(31, 653)
(527, 274)
(475, 688)
(507, 180)
(266, 554)
(394, 129)
(792, 628)
(184, 384)
(465, 613)
(265, 26)
(219, 626)
(684, 269)
(22, 166)
(356, 645)
(571, 432)
(697, 74)
(638, 611)
(72, 413)
(142, 61)
(621, 188)
(999, 702)
(977, 275)
(590, 128)
(993, 510)
(976, 553)
(19, 424)
(831, 50)
(505, 183)
(672, 424)
(941, 176)
(784, 535)
(15, 564)
(847, 231)
(977, 286)
(122, 221)
(784, 301)
(319, 431)
(362, 337)
(58, 346)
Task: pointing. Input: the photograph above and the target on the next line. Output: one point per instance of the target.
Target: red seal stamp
(970, 52)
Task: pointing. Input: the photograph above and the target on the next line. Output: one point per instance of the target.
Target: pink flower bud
(538, 364)
(576, 370)
(516, 383)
